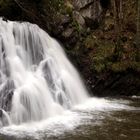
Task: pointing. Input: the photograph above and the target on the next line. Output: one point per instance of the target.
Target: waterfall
(37, 80)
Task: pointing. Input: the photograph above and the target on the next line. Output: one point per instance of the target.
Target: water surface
(97, 119)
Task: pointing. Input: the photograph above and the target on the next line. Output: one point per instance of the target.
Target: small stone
(78, 18)
(68, 32)
(123, 135)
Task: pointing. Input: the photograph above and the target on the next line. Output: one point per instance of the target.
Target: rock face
(88, 9)
(120, 84)
(88, 12)
(6, 94)
(87, 30)
(81, 4)
(71, 15)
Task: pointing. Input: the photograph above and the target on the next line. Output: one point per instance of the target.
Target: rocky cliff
(108, 59)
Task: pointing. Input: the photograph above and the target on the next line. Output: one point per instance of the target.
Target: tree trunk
(138, 24)
(118, 21)
(118, 15)
(121, 15)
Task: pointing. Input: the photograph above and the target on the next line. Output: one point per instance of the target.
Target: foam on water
(93, 111)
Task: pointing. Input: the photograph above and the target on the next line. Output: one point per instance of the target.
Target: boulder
(68, 32)
(79, 4)
(89, 12)
(79, 18)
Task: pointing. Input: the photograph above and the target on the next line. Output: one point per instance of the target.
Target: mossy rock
(102, 58)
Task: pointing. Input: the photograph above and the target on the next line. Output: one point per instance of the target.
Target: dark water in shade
(118, 120)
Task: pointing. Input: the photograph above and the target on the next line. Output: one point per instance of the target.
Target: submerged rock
(1, 114)
(4, 120)
(6, 94)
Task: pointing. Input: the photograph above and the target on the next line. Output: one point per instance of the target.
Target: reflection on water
(98, 119)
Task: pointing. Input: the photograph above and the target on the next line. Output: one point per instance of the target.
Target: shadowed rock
(6, 94)
(1, 114)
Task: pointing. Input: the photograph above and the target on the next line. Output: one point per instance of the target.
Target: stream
(97, 119)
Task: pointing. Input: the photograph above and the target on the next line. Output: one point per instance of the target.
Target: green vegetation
(103, 55)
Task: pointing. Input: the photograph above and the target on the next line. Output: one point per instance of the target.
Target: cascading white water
(36, 78)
